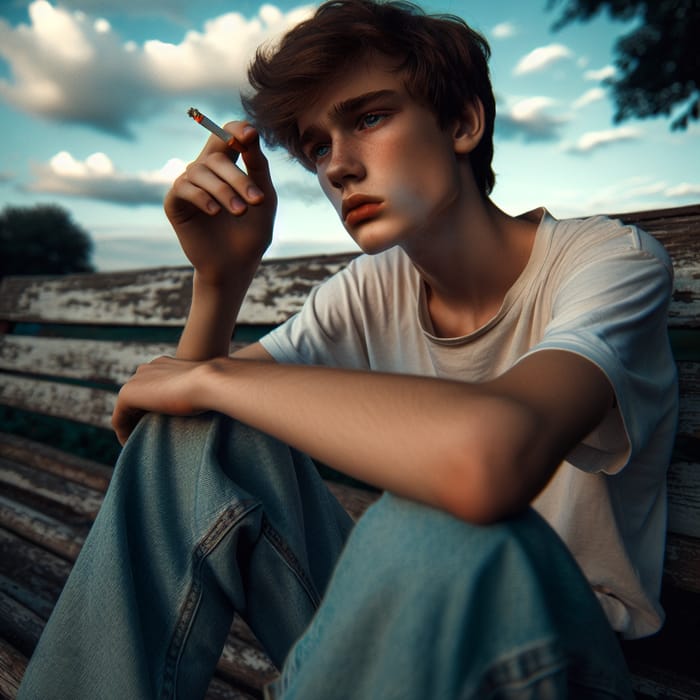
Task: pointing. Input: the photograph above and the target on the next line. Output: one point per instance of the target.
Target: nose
(345, 164)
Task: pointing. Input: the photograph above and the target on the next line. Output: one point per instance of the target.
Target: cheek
(422, 192)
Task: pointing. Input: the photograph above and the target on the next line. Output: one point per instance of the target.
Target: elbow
(478, 499)
(488, 479)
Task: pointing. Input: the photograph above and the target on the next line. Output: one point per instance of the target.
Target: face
(389, 170)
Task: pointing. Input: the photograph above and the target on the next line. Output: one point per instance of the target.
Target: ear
(469, 128)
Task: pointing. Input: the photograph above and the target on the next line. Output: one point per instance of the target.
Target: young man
(473, 365)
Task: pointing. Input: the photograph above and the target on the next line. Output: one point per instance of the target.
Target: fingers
(214, 181)
(124, 421)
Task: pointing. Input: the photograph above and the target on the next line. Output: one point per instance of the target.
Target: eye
(371, 119)
(321, 150)
(318, 151)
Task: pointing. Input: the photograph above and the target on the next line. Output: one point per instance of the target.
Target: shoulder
(604, 236)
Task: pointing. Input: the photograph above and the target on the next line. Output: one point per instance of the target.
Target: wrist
(214, 377)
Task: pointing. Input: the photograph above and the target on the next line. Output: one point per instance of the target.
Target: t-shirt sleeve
(328, 328)
(613, 311)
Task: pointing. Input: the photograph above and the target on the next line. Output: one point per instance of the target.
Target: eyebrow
(345, 107)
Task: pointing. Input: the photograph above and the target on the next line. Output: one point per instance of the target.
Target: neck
(470, 261)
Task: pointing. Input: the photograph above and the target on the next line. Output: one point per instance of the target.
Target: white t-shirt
(594, 287)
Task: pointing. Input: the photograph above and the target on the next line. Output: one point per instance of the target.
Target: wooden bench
(67, 343)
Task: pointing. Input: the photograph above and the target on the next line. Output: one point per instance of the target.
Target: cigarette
(228, 139)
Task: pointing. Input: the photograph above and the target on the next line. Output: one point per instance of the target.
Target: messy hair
(444, 64)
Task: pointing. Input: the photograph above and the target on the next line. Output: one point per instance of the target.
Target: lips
(359, 207)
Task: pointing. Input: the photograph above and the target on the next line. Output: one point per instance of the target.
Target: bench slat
(159, 297)
(58, 537)
(79, 403)
(30, 573)
(82, 502)
(68, 466)
(12, 666)
(682, 564)
(98, 361)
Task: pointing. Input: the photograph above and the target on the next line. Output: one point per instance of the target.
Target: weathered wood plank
(18, 625)
(31, 574)
(12, 667)
(655, 682)
(104, 362)
(82, 404)
(221, 690)
(244, 662)
(50, 459)
(684, 498)
(98, 361)
(682, 564)
(46, 488)
(58, 537)
(158, 297)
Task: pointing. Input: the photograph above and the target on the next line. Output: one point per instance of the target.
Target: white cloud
(594, 140)
(504, 30)
(684, 189)
(97, 178)
(69, 68)
(529, 118)
(600, 74)
(542, 58)
(593, 95)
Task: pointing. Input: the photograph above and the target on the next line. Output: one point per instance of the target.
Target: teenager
(506, 381)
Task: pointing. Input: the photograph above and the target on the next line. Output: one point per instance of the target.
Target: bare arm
(479, 451)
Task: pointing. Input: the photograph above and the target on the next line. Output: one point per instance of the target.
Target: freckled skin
(417, 185)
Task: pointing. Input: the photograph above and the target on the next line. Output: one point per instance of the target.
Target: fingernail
(254, 192)
(248, 129)
(238, 206)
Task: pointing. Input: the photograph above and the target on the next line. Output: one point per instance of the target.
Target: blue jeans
(206, 516)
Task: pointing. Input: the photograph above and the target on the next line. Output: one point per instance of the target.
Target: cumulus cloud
(97, 178)
(68, 67)
(529, 118)
(504, 30)
(541, 58)
(593, 95)
(595, 140)
(600, 74)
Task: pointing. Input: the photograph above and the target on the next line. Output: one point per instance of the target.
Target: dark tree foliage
(42, 239)
(658, 62)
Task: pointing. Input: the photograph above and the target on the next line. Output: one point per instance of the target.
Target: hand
(223, 216)
(165, 385)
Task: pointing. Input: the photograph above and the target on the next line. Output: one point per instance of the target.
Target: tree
(42, 239)
(658, 62)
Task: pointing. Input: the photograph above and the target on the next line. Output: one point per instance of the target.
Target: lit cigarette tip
(230, 140)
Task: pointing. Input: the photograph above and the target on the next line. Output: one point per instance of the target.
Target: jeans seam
(204, 547)
(290, 559)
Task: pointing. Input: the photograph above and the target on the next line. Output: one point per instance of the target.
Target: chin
(372, 239)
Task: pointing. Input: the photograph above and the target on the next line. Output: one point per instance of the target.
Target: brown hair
(444, 63)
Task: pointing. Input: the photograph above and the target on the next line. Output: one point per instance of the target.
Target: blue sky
(94, 95)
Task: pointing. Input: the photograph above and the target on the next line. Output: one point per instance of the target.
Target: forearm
(422, 438)
(212, 317)
(479, 451)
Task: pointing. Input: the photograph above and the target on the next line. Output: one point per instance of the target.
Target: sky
(94, 97)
